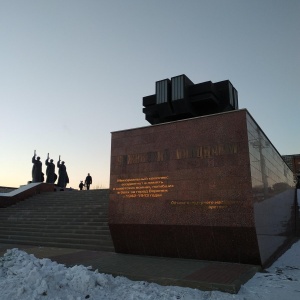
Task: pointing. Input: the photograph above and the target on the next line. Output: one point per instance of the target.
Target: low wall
(6, 189)
(24, 192)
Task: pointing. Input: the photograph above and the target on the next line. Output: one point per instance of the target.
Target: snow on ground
(23, 276)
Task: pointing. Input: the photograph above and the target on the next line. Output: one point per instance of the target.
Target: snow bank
(23, 276)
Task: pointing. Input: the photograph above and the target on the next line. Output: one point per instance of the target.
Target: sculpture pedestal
(208, 188)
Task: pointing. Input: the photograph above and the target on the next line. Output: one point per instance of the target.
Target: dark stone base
(226, 244)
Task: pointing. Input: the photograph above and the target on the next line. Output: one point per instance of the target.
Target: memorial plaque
(209, 188)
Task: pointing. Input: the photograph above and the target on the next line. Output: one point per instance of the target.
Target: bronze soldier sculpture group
(38, 175)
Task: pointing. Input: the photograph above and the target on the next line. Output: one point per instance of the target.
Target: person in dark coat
(50, 171)
(36, 169)
(88, 181)
(81, 185)
(63, 178)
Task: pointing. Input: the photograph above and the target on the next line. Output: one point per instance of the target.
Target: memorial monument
(203, 182)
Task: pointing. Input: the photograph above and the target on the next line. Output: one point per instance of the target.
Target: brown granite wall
(184, 189)
(273, 191)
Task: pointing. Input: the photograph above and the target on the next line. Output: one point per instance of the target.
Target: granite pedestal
(208, 188)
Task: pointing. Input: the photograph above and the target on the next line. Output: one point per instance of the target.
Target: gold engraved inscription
(212, 205)
(206, 151)
(145, 187)
(152, 156)
(203, 152)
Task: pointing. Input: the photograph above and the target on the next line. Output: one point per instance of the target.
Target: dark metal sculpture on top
(63, 178)
(37, 175)
(179, 98)
(50, 171)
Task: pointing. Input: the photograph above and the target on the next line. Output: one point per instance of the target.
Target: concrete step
(51, 209)
(100, 192)
(55, 202)
(54, 222)
(59, 214)
(51, 221)
(70, 197)
(42, 205)
(32, 226)
(82, 210)
(101, 247)
(61, 219)
(68, 200)
(57, 234)
(89, 241)
(60, 202)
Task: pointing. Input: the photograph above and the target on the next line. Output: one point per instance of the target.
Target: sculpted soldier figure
(50, 171)
(63, 178)
(36, 169)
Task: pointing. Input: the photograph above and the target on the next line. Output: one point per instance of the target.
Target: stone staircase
(70, 219)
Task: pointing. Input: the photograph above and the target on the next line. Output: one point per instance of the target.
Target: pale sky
(71, 72)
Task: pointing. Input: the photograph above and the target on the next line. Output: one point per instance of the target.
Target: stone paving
(203, 275)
